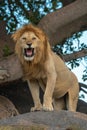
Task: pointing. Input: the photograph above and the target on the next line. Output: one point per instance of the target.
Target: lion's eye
(33, 38)
(24, 38)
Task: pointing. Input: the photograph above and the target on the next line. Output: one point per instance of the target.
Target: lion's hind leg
(72, 98)
(59, 104)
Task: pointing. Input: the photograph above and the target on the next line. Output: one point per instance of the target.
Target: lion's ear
(15, 36)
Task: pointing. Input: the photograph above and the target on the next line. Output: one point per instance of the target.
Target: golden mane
(29, 27)
(39, 33)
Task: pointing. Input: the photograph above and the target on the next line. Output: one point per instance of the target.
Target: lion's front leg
(47, 104)
(34, 88)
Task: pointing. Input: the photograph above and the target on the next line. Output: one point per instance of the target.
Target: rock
(56, 120)
(7, 108)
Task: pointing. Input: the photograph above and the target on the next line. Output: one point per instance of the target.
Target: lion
(43, 68)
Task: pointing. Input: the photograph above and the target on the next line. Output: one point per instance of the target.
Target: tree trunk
(11, 69)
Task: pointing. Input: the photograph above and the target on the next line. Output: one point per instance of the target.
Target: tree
(58, 24)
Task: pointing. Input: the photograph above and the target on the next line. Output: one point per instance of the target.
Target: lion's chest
(34, 72)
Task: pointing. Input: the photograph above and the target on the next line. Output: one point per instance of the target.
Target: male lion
(43, 68)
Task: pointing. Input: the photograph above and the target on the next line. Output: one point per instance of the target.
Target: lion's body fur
(48, 71)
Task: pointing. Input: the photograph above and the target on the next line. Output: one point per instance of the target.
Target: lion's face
(30, 45)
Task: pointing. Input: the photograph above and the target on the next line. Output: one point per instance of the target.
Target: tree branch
(75, 55)
(61, 24)
(83, 85)
(66, 2)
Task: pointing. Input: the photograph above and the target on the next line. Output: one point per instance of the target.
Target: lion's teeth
(29, 52)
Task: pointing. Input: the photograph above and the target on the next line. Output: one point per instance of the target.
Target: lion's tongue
(29, 52)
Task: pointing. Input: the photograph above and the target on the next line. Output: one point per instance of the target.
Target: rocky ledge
(56, 120)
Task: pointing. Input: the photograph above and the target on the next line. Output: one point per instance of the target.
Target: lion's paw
(47, 107)
(36, 108)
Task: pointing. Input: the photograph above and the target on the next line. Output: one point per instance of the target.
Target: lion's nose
(29, 44)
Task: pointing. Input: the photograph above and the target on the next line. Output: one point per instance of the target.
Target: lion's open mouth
(28, 52)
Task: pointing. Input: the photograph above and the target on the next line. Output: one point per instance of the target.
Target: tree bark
(75, 55)
(61, 24)
(66, 2)
(11, 69)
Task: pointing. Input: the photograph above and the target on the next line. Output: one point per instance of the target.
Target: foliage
(85, 74)
(6, 51)
(82, 96)
(18, 12)
(72, 45)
